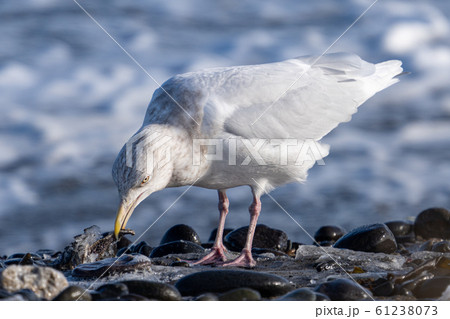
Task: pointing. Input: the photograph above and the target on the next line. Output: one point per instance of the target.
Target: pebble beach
(395, 260)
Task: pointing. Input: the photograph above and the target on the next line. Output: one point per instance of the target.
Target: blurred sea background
(70, 98)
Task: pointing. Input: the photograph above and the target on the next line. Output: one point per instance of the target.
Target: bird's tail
(386, 74)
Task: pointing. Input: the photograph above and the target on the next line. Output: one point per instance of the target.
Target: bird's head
(138, 171)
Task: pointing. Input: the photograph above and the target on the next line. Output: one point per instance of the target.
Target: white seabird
(255, 125)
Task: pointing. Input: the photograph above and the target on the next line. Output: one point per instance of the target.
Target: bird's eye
(145, 180)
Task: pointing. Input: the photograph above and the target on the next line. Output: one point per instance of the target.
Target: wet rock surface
(375, 238)
(344, 289)
(153, 290)
(265, 237)
(109, 266)
(433, 223)
(218, 281)
(301, 294)
(73, 293)
(180, 232)
(329, 234)
(240, 294)
(176, 247)
(395, 265)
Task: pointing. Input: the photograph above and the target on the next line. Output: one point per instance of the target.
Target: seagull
(253, 125)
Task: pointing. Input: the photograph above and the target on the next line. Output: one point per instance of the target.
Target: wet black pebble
(343, 290)
(142, 248)
(321, 297)
(27, 295)
(21, 255)
(133, 297)
(433, 223)
(329, 234)
(180, 232)
(428, 245)
(207, 297)
(403, 230)
(180, 263)
(176, 247)
(400, 227)
(212, 236)
(432, 288)
(110, 291)
(218, 281)
(441, 247)
(383, 287)
(110, 266)
(375, 238)
(301, 294)
(145, 250)
(265, 237)
(240, 294)
(153, 290)
(73, 293)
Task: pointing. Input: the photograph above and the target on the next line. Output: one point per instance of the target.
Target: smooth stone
(240, 294)
(265, 237)
(73, 293)
(123, 251)
(441, 247)
(207, 297)
(384, 288)
(153, 290)
(137, 247)
(109, 266)
(110, 291)
(22, 255)
(133, 297)
(401, 228)
(428, 245)
(180, 232)
(329, 233)
(212, 236)
(12, 261)
(321, 297)
(176, 247)
(45, 282)
(375, 238)
(432, 288)
(301, 294)
(343, 289)
(219, 281)
(4, 293)
(145, 250)
(325, 243)
(433, 223)
(28, 295)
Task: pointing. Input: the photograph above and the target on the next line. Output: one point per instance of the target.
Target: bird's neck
(177, 155)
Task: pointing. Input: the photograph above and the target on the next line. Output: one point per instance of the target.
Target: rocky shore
(396, 260)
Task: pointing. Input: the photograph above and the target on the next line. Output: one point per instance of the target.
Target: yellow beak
(123, 214)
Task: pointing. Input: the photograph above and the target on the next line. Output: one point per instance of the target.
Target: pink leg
(245, 259)
(217, 254)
